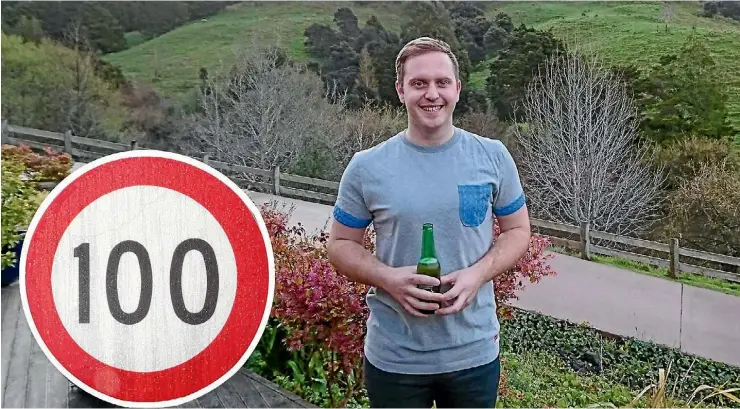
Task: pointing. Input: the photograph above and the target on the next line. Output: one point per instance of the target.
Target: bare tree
(82, 113)
(362, 129)
(579, 152)
(263, 112)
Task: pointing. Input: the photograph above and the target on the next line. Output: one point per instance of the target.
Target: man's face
(429, 90)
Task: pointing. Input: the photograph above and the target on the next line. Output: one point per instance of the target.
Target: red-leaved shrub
(531, 267)
(52, 165)
(324, 311)
(321, 310)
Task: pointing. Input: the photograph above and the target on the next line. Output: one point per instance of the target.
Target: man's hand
(401, 284)
(465, 284)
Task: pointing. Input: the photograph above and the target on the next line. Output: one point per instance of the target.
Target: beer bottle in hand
(428, 263)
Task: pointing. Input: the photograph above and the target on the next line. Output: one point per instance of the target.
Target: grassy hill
(619, 31)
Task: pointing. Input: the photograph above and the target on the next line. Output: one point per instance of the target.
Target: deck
(29, 379)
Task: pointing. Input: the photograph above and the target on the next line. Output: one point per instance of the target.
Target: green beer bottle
(428, 263)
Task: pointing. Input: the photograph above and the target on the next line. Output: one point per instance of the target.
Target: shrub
(18, 205)
(531, 266)
(623, 360)
(324, 313)
(49, 166)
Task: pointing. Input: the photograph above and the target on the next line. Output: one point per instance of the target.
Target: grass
(540, 379)
(633, 32)
(172, 61)
(696, 280)
(620, 31)
(608, 359)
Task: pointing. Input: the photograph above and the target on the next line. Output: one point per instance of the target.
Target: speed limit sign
(147, 278)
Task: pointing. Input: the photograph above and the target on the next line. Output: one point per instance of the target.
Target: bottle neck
(427, 242)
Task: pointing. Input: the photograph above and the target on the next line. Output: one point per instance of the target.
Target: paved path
(699, 321)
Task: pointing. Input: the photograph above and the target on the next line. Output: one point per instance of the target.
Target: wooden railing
(580, 238)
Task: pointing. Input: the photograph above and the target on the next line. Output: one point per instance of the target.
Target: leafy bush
(323, 313)
(531, 266)
(622, 360)
(18, 205)
(540, 379)
(49, 166)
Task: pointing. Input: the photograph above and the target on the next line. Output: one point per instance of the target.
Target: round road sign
(147, 278)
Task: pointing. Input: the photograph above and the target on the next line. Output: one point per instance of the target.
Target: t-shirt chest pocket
(474, 202)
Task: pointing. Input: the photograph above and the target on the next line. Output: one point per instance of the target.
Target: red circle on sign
(254, 279)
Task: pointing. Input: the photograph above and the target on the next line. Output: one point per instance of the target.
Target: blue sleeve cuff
(348, 220)
(511, 207)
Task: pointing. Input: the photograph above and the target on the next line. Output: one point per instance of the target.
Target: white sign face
(147, 278)
(164, 269)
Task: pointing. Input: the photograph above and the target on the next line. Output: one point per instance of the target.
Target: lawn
(620, 31)
(172, 61)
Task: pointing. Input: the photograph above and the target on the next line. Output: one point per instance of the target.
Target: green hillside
(620, 31)
(176, 57)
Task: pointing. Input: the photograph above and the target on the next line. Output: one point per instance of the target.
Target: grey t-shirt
(397, 186)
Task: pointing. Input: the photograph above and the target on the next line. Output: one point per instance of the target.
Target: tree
(579, 151)
(524, 50)
(431, 19)
(684, 95)
(264, 112)
(705, 210)
(703, 206)
(52, 87)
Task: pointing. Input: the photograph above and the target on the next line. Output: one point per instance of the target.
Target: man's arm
(353, 260)
(511, 244)
(350, 257)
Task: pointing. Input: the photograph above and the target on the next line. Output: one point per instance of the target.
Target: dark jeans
(471, 388)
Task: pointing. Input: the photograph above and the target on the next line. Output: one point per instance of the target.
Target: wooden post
(675, 267)
(133, 144)
(68, 141)
(585, 241)
(276, 180)
(5, 131)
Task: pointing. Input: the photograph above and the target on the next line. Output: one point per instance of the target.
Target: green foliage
(625, 361)
(514, 66)
(50, 87)
(684, 95)
(18, 204)
(57, 19)
(683, 159)
(178, 54)
(431, 19)
(103, 24)
(539, 379)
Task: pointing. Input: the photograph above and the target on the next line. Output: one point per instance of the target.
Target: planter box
(11, 274)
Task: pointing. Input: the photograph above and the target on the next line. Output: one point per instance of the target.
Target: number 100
(82, 252)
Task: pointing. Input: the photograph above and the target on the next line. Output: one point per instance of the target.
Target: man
(431, 172)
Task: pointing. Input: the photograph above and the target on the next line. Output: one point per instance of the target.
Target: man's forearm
(508, 248)
(352, 260)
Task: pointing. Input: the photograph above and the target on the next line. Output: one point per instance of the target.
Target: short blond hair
(421, 46)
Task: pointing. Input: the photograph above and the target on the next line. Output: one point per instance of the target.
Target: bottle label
(426, 287)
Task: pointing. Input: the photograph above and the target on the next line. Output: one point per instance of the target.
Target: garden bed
(545, 363)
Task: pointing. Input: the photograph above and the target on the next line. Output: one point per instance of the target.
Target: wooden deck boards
(29, 379)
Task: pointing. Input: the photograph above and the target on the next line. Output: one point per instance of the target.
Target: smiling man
(432, 172)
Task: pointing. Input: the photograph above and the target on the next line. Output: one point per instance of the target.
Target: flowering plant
(324, 313)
